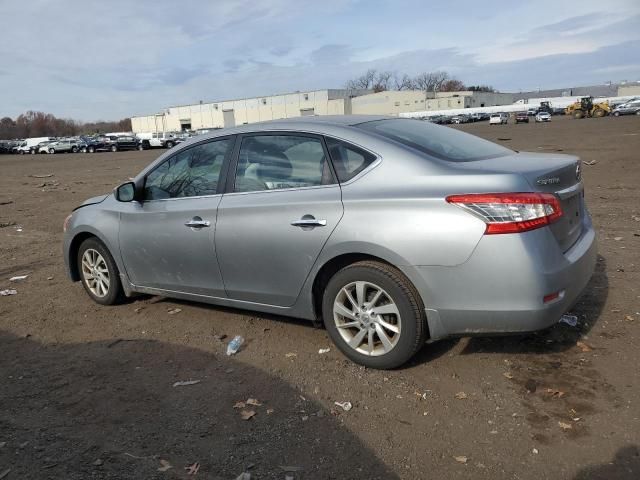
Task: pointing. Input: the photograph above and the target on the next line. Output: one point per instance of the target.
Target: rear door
(167, 240)
(282, 204)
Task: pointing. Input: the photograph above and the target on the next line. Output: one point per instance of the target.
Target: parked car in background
(125, 142)
(522, 117)
(498, 119)
(43, 147)
(383, 227)
(28, 144)
(543, 117)
(532, 112)
(629, 108)
(159, 140)
(64, 145)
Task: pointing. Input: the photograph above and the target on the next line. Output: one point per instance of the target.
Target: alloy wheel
(367, 318)
(95, 272)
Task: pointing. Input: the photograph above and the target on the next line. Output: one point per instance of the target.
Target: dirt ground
(86, 391)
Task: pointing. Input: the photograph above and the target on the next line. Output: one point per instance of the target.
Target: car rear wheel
(169, 144)
(114, 148)
(374, 315)
(99, 273)
(140, 147)
(616, 114)
(52, 151)
(91, 149)
(74, 149)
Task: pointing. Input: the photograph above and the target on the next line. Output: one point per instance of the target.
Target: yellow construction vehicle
(586, 108)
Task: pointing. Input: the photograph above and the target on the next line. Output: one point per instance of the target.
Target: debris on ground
(234, 345)
(617, 239)
(4, 473)
(531, 385)
(46, 175)
(290, 354)
(186, 383)
(461, 395)
(18, 278)
(98, 463)
(555, 393)
(138, 309)
(565, 426)
(570, 320)
(173, 311)
(247, 414)
(239, 405)
(7, 224)
(244, 476)
(535, 451)
(157, 299)
(8, 291)
(49, 278)
(629, 318)
(220, 337)
(461, 459)
(6, 202)
(164, 465)
(324, 350)
(583, 347)
(270, 411)
(592, 162)
(508, 375)
(192, 469)
(422, 395)
(346, 406)
(254, 402)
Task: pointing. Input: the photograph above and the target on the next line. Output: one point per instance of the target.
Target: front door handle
(309, 222)
(197, 222)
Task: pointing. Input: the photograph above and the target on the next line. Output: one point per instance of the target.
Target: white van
(29, 144)
(498, 119)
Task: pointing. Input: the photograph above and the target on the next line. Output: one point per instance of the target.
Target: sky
(106, 60)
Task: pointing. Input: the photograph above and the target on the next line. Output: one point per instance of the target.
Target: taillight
(510, 212)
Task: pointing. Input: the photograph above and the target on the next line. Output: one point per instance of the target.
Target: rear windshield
(442, 142)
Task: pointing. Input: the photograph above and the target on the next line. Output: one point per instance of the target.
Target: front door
(284, 205)
(167, 240)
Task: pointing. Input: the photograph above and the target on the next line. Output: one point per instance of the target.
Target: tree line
(40, 124)
(380, 81)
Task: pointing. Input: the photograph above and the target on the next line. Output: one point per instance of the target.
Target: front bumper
(500, 288)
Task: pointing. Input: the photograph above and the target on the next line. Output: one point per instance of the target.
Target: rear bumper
(500, 288)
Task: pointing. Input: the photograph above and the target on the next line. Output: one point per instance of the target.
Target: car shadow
(625, 466)
(559, 337)
(111, 410)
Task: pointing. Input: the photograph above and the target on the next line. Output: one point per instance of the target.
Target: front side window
(273, 162)
(441, 142)
(190, 173)
(348, 160)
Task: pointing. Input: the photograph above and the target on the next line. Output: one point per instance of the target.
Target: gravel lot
(86, 391)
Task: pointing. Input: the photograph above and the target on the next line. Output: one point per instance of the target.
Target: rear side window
(348, 160)
(190, 173)
(435, 140)
(274, 162)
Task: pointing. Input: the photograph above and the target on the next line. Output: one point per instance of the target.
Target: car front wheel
(99, 273)
(374, 315)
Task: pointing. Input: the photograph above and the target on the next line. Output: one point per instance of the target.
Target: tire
(140, 147)
(112, 294)
(74, 149)
(578, 114)
(409, 321)
(91, 149)
(20, 152)
(114, 148)
(638, 112)
(52, 151)
(617, 114)
(169, 144)
(599, 113)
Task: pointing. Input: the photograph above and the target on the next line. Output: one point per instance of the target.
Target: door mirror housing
(126, 192)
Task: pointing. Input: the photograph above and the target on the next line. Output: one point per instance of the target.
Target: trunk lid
(549, 173)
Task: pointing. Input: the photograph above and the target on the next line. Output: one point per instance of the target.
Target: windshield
(441, 142)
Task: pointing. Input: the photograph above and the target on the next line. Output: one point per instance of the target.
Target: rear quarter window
(348, 160)
(438, 141)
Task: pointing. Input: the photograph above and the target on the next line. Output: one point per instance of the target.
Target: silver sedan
(391, 231)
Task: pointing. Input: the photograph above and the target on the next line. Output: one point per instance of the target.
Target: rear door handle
(309, 222)
(197, 222)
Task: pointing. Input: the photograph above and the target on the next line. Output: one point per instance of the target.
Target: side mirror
(126, 192)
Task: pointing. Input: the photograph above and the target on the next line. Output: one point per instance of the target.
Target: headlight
(65, 225)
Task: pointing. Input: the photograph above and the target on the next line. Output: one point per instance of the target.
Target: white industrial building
(230, 113)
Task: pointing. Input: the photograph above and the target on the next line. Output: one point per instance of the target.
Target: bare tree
(402, 83)
(382, 81)
(482, 88)
(430, 81)
(365, 81)
(452, 85)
